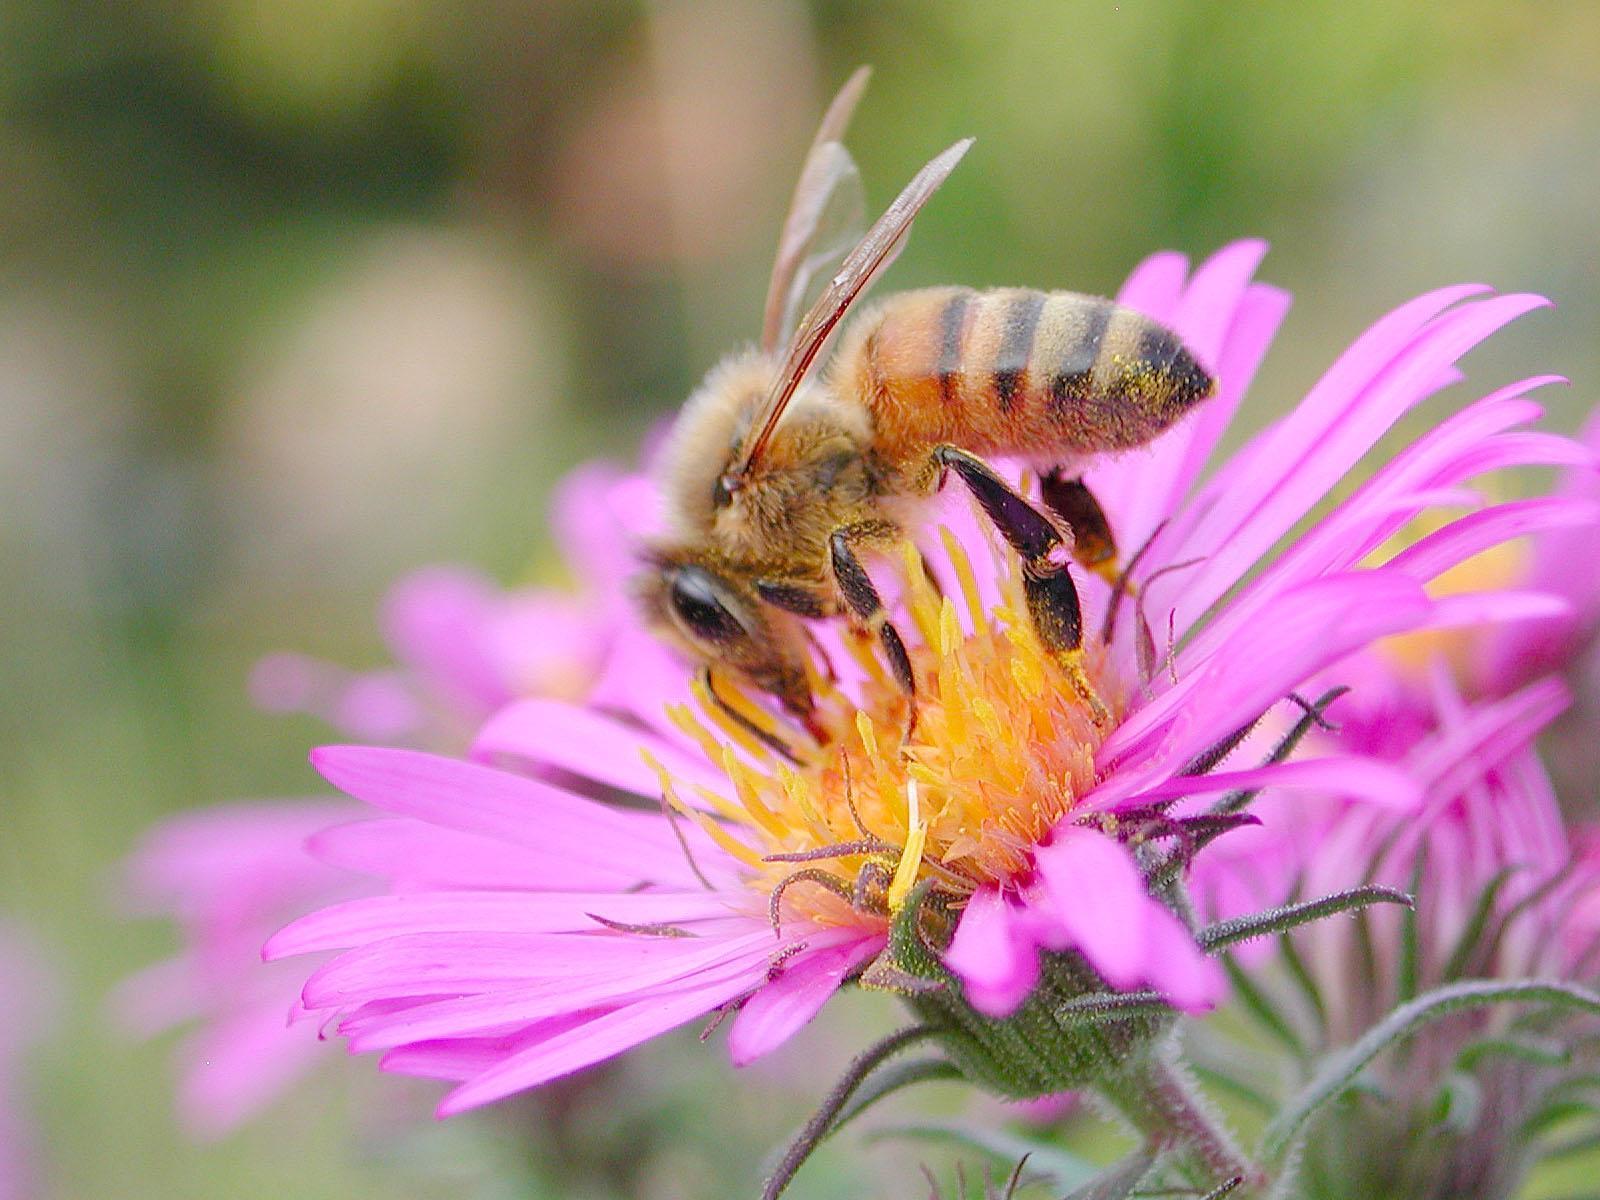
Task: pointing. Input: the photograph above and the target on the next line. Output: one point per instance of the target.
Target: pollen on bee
(1002, 749)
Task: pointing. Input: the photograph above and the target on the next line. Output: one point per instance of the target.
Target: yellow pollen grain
(684, 719)
(744, 784)
(984, 710)
(969, 584)
(716, 832)
(722, 837)
(798, 793)
(728, 810)
(905, 873)
(920, 595)
(955, 716)
(882, 775)
(1028, 675)
(869, 738)
(1002, 747)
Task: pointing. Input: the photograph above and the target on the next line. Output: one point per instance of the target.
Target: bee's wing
(825, 220)
(871, 255)
(825, 216)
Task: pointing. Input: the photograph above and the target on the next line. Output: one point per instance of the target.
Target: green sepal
(1279, 920)
(1045, 1046)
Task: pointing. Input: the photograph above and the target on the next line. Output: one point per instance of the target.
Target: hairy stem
(1161, 1102)
(822, 1122)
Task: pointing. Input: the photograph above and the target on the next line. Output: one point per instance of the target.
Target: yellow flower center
(1002, 747)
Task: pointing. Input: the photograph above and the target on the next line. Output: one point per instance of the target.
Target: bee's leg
(861, 597)
(1093, 543)
(803, 600)
(1046, 580)
(796, 598)
(766, 737)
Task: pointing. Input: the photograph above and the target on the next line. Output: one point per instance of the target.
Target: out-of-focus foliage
(294, 295)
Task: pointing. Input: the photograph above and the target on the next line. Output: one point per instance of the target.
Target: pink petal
(1176, 967)
(1253, 502)
(440, 964)
(618, 981)
(1377, 511)
(548, 822)
(1472, 534)
(432, 620)
(781, 1008)
(595, 1041)
(1488, 735)
(590, 745)
(455, 1059)
(1300, 632)
(238, 1065)
(997, 962)
(1155, 285)
(1345, 775)
(356, 922)
(415, 854)
(1098, 899)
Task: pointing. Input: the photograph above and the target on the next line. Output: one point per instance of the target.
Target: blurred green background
(295, 296)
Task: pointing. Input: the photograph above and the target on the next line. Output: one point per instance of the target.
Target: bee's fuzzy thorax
(811, 479)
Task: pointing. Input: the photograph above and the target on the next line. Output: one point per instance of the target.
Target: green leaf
(1536, 1051)
(1458, 1104)
(1339, 1071)
(1116, 1182)
(1410, 936)
(1060, 1168)
(1472, 934)
(1303, 979)
(1278, 920)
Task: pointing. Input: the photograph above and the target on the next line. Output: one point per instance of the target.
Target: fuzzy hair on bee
(779, 476)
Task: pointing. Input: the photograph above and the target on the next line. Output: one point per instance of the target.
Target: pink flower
(1562, 563)
(463, 646)
(1498, 896)
(1486, 818)
(530, 931)
(230, 875)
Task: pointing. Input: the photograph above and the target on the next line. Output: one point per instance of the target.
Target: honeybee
(778, 476)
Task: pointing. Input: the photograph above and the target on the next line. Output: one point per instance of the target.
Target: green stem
(1160, 1101)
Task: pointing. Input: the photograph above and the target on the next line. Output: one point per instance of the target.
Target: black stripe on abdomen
(1016, 348)
(1069, 378)
(952, 327)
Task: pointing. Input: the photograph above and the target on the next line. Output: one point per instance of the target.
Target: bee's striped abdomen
(1015, 371)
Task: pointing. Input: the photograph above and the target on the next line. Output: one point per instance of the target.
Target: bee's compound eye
(697, 601)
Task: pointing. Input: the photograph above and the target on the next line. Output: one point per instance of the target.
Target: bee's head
(716, 620)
